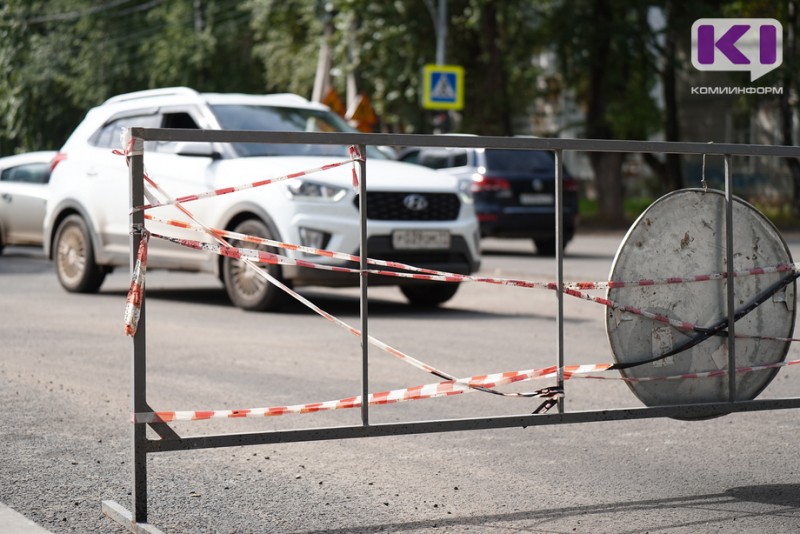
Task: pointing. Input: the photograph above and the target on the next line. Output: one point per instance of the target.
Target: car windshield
(520, 160)
(284, 119)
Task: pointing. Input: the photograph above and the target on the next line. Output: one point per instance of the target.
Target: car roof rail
(149, 93)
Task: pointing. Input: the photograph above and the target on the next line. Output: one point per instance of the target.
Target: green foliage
(288, 36)
(32, 80)
(605, 56)
(496, 43)
(61, 57)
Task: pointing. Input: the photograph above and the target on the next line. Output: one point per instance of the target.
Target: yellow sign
(443, 87)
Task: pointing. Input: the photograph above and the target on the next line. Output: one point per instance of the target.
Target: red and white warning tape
(243, 187)
(443, 276)
(133, 307)
(439, 389)
(249, 261)
(428, 391)
(268, 257)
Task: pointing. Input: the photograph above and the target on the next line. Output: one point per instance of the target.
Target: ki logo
(754, 45)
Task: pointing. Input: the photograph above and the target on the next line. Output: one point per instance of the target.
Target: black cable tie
(138, 229)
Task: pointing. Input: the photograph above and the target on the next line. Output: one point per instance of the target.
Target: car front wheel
(245, 287)
(425, 295)
(74, 257)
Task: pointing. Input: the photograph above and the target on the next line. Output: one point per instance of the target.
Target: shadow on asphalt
(782, 495)
(24, 260)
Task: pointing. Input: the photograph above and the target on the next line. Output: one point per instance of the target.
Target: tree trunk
(495, 82)
(607, 166)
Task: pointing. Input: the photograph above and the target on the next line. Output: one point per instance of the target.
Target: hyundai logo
(415, 202)
(537, 185)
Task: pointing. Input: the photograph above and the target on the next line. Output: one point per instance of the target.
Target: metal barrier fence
(169, 440)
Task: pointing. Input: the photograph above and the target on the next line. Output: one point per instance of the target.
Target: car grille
(386, 206)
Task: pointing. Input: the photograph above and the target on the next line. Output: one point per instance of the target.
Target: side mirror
(201, 150)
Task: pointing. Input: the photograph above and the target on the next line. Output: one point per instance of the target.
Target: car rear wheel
(429, 295)
(245, 287)
(545, 247)
(74, 257)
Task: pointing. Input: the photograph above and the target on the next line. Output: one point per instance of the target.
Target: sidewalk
(12, 522)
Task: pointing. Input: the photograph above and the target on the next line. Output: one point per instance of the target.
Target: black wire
(720, 328)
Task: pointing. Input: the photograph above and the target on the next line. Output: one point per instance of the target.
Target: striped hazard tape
(443, 276)
(268, 257)
(133, 306)
(243, 187)
(252, 263)
(435, 390)
(428, 391)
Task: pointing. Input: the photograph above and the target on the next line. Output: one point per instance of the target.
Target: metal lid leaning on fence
(685, 231)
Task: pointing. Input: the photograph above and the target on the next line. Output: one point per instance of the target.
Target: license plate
(536, 199)
(420, 239)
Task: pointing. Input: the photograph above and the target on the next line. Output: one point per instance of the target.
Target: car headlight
(465, 191)
(310, 190)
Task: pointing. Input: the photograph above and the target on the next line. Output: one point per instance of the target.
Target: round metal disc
(681, 235)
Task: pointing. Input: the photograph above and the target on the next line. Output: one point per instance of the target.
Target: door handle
(6, 197)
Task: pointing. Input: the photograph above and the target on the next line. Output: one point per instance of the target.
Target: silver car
(23, 195)
(416, 216)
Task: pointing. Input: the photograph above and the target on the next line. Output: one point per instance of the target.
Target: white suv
(415, 215)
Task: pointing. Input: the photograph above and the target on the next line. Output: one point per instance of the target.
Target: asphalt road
(65, 430)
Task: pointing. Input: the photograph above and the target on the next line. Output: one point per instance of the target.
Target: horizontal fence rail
(464, 141)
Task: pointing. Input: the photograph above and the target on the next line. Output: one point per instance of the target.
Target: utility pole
(322, 77)
(441, 120)
(439, 18)
(441, 31)
(352, 88)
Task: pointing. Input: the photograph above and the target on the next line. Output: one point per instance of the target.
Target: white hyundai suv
(415, 215)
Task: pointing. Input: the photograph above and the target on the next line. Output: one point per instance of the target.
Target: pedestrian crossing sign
(443, 87)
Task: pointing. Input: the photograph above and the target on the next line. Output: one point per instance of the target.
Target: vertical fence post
(560, 270)
(362, 212)
(139, 362)
(730, 278)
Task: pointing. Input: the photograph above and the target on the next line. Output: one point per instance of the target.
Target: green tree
(62, 57)
(203, 44)
(34, 81)
(604, 55)
(493, 40)
(496, 42)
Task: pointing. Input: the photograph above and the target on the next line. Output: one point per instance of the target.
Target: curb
(16, 523)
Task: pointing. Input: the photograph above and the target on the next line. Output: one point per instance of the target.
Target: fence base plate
(119, 514)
